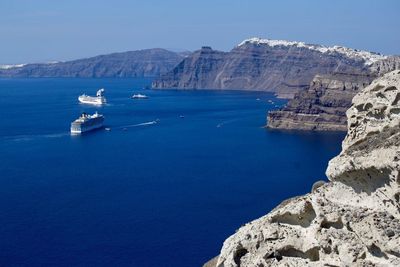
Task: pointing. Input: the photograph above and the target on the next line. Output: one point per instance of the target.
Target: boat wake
(139, 124)
(114, 104)
(227, 122)
(35, 136)
(20, 138)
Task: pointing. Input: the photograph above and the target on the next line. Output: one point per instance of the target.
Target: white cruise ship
(87, 123)
(99, 99)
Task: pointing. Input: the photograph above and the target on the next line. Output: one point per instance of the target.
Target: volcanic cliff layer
(354, 219)
(278, 66)
(322, 107)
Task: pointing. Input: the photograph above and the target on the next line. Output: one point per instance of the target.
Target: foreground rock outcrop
(353, 220)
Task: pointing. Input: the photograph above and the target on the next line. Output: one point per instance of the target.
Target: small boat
(181, 116)
(139, 96)
(258, 99)
(99, 99)
(107, 129)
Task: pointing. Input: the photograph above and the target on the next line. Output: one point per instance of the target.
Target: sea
(170, 179)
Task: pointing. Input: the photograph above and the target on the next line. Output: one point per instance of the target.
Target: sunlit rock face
(276, 66)
(353, 220)
(323, 105)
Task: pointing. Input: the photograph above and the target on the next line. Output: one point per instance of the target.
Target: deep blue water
(166, 194)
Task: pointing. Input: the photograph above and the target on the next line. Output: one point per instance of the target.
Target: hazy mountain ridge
(140, 63)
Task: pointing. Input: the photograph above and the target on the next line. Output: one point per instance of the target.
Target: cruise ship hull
(89, 123)
(91, 100)
(86, 129)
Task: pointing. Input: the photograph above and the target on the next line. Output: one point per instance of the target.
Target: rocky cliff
(260, 64)
(323, 105)
(194, 72)
(322, 80)
(354, 219)
(141, 63)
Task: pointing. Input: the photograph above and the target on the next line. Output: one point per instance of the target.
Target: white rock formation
(354, 220)
(6, 67)
(368, 57)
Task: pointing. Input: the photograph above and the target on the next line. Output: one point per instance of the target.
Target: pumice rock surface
(354, 219)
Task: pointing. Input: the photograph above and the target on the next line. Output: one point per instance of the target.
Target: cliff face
(323, 106)
(354, 220)
(322, 80)
(195, 71)
(388, 64)
(142, 63)
(269, 65)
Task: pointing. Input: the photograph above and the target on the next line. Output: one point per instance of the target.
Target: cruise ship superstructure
(87, 123)
(99, 99)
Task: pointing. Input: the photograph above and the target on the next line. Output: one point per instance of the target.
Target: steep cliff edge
(196, 71)
(353, 220)
(277, 66)
(322, 107)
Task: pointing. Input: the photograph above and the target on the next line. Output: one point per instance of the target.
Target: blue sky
(44, 30)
